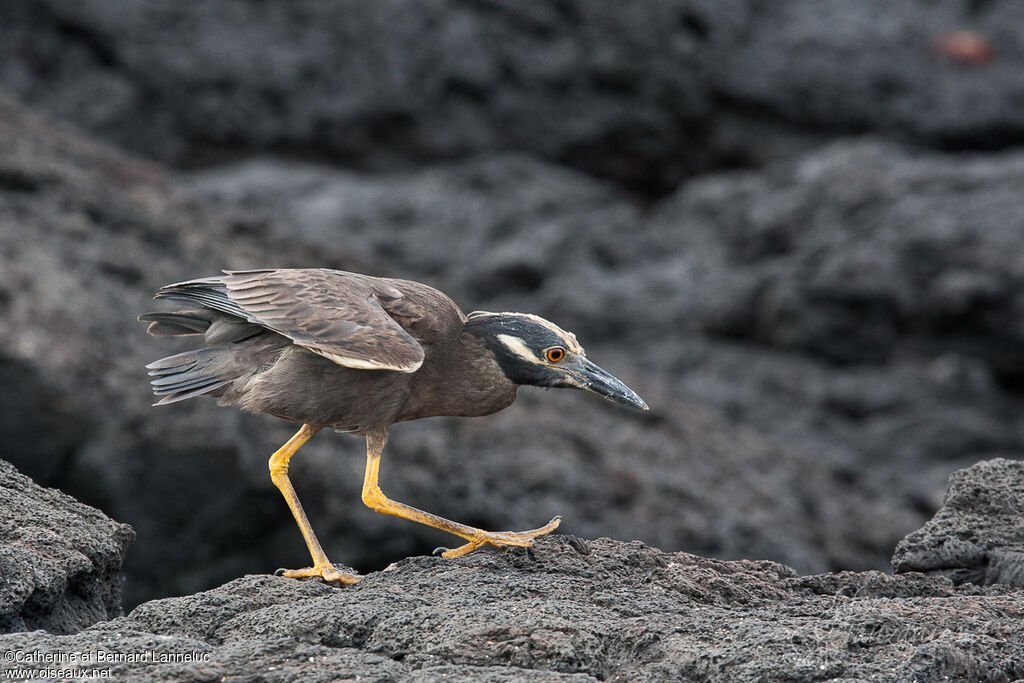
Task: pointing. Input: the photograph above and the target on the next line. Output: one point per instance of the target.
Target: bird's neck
(462, 379)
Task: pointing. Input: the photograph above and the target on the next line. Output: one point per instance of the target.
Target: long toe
(533, 533)
(327, 573)
(504, 538)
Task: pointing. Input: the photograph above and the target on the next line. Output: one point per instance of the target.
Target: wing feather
(335, 314)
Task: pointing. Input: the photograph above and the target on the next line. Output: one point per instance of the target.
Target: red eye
(555, 354)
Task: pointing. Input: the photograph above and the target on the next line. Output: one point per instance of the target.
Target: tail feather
(175, 324)
(190, 374)
(174, 363)
(178, 378)
(215, 326)
(224, 326)
(210, 292)
(198, 391)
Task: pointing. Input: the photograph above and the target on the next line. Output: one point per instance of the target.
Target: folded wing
(332, 313)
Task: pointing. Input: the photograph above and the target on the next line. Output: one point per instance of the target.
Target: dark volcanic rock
(859, 252)
(494, 231)
(978, 535)
(573, 610)
(861, 303)
(86, 235)
(640, 92)
(180, 475)
(59, 560)
(673, 300)
(864, 301)
(371, 84)
(822, 340)
(878, 66)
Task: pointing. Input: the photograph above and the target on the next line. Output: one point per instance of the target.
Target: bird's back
(317, 346)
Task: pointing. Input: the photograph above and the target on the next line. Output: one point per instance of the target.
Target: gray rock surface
(86, 235)
(978, 534)
(823, 336)
(861, 303)
(859, 253)
(644, 93)
(180, 475)
(796, 458)
(59, 560)
(568, 610)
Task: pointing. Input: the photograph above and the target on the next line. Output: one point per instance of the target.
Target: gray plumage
(327, 348)
(308, 345)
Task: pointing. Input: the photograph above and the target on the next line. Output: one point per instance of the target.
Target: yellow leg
(322, 567)
(375, 499)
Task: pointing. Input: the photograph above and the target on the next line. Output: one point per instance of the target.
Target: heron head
(532, 350)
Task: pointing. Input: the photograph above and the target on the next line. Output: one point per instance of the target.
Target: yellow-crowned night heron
(327, 348)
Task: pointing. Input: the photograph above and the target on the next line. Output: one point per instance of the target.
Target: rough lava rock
(855, 254)
(861, 302)
(823, 337)
(60, 560)
(568, 610)
(679, 477)
(643, 93)
(797, 457)
(86, 235)
(978, 534)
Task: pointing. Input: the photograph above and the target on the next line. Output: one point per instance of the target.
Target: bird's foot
(326, 572)
(503, 538)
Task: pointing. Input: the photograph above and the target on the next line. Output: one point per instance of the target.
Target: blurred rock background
(796, 228)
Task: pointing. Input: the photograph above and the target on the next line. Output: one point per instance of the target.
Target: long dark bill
(590, 377)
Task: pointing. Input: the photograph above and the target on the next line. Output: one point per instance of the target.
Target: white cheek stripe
(518, 347)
